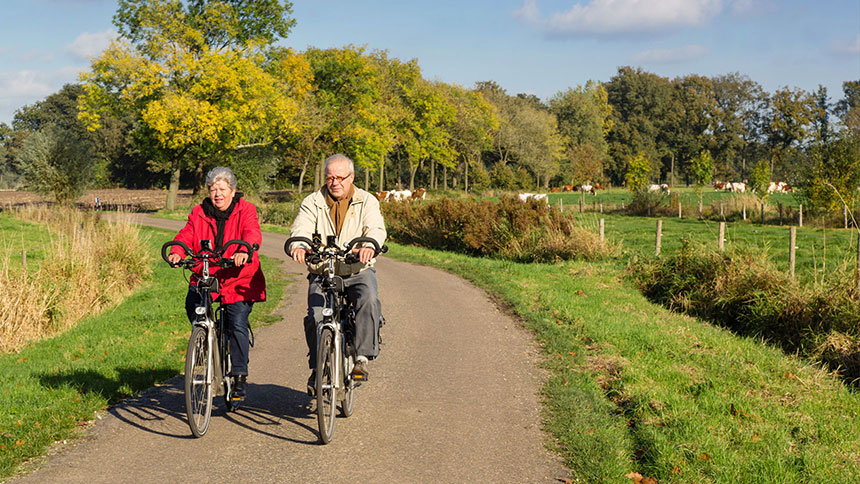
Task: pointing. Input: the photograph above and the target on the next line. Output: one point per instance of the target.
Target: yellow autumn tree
(192, 74)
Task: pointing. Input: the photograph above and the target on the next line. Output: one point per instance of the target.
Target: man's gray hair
(339, 156)
(221, 173)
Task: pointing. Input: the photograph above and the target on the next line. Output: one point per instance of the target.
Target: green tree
(640, 104)
(583, 116)
(740, 105)
(832, 174)
(760, 179)
(56, 163)
(638, 174)
(191, 76)
(792, 113)
(473, 128)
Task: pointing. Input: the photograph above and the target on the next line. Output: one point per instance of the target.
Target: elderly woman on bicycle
(222, 217)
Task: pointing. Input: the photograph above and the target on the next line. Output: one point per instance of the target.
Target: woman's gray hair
(339, 156)
(221, 173)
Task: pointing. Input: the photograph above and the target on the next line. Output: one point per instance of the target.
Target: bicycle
(207, 370)
(335, 349)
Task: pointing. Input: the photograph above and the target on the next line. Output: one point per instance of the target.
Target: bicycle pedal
(358, 378)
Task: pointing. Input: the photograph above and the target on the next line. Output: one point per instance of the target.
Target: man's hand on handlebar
(298, 254)
(364, 254)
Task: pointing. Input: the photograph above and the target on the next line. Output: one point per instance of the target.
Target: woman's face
(221, 194)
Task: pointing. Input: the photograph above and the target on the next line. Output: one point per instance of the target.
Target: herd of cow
(420, 194)
(401, 195)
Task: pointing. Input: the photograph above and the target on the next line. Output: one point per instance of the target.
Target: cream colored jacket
(363, 219)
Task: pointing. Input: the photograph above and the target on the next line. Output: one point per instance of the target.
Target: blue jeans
(235, 324)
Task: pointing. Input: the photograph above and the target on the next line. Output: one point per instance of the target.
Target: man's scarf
(337, 208)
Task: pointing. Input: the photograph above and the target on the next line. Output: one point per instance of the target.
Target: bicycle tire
(325, 386)
(347, 405)
(198, 391)
(228, 383)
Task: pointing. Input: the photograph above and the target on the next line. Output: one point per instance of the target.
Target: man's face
(338, 178)
(221, 194)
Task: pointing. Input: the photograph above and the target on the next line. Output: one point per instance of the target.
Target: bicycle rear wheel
(198, 390)
(347, 405)
(325, 385)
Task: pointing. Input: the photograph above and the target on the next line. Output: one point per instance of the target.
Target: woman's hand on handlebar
(240, 258)
(174, 259)
(364, 254)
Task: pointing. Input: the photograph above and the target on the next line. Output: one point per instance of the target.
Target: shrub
(523, 232)
(744, 292)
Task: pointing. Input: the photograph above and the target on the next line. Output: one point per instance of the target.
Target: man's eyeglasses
(339, 179)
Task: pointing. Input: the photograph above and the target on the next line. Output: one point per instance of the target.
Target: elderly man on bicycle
(341, 209)
(224, 216)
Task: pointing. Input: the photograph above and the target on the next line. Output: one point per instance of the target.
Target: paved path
(453, 398)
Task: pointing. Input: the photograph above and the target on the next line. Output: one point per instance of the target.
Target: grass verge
(634, 387)
(52, 388)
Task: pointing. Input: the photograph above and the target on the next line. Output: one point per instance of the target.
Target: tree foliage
(56, 163)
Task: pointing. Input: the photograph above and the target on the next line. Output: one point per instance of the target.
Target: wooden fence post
(721, 209)
(800, 216)
(700, 209)
(580, 206)
(560, 206)
(601, 206)
(792, 239)
(745, 211)
(659, 235)
(722, 235)
(602, 228)
(762, 213)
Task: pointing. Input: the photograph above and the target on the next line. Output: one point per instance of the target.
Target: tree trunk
(302, 176)
(367, 179)
(445, 177)
(173, 188)
(672, 172)
(381, 174)
(412, 178)
(432, 174)
(466, 177)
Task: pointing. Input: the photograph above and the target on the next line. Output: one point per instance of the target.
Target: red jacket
(244, 283)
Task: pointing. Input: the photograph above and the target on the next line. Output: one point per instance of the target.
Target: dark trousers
(361, 289)
(235, 324)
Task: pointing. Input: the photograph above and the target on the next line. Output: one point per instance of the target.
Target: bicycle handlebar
(349, 257)
(215, 257)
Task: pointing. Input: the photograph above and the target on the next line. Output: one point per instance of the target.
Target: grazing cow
(381, 196)
(664, 188)
(653, 188)
(598, 186)
(400, 195)
(736, 187)
(524, 197)
(419, 194)
(570, 188)
(719, 185)
(555, 189)
(780, 187)
(586, 187)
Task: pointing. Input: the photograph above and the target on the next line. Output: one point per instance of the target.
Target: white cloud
(671, 56)
(24, 87)
(849, 47)
(614, 17)
(89, 45)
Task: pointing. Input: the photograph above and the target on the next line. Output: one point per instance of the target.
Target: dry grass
(91, 264)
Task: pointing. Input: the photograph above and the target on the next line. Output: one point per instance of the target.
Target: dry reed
(91, 264)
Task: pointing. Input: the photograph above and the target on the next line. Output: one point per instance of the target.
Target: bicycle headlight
(327, 312)
(200, 310)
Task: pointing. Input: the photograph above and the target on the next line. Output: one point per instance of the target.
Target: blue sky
(539, 47)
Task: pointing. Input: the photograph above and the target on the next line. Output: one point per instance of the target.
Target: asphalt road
(453, 398)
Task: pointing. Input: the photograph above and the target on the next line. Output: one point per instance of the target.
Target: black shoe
(312, 383)
(239, 387)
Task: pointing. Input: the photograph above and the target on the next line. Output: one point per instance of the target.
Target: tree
(832, 174)
(191, 76)
(738, 127)
(760, 180)
(688, 125)
(57, 163)
(640, 102)
(702, 170)
(473, 128)
(638, 174)
(583, 116)
(792, 112)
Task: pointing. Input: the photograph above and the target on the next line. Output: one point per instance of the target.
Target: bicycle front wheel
(325, 385)
(198, 390)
